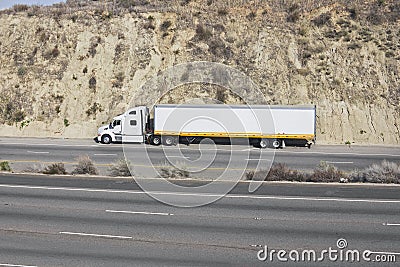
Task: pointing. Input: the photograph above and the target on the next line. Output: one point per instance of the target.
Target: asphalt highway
(93, 221)
(206, 161)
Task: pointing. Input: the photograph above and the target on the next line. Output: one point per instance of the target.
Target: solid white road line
(16, 265)
(203, 194)
(180, 157)
(385, 252)
(96, 235)
(336, 153)
(38, 152)
(340, 162)
(391, 224)
(259, 159)
(105, 154)
(141, 212)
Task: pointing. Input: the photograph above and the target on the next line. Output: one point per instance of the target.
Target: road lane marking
(141, 212)
(259, 159)
(38, 152)
(50, 144)
(391, 224)
(106, 154)
(203, 194)
(180, 157)
(16, 265)
(97, 235)
(340, 162)
(335, 153)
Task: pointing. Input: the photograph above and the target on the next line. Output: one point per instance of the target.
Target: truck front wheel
(106, 139)
(155, 140)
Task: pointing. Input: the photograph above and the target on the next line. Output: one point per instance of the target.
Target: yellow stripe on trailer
(237, 135)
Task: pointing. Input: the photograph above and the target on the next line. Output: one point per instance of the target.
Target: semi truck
(261, 125)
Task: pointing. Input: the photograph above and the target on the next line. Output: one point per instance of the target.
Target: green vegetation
(5, 166)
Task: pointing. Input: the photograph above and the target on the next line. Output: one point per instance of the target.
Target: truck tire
(155, 140)
(263, 143)
(106, 139)
(169, 140)
(276, 143)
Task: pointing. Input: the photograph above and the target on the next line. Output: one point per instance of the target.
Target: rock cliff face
(69, 68)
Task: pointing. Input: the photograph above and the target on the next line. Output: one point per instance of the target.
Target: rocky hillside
(68, 68)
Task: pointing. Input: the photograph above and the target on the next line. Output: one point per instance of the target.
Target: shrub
(353, 13)
(96, 107)
(118, 82)
(278, 172)
(5, 166)
(165, 25)
(169, 171)
(251, 16)
(222, 12)
(202, 33)
(20, 7)
(323, 19)
(18, 116)
(52, 53)
(386, 172)
(293, 13)
(92, 83)
(21, 71)
(326, 173)
(85, 166)
(55, 168)
(94, 42)
(120, 168)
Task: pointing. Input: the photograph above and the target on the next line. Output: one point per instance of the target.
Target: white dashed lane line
(141, 212)
(96, 235)
(38, 152)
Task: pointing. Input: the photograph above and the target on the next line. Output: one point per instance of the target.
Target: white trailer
(262, 125)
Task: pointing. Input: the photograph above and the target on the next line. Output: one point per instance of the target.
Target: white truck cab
(127, 127)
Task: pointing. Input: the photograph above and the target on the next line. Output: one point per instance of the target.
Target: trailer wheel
(106, 139)
(169, 140)
(276, 143)
(155, 140)
(263, 143)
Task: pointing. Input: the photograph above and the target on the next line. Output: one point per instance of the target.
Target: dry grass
(120, 168)
(85, 166)
(278, 172)
(55, 168)
(326, 173)
(385, 172)
(169, 171)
